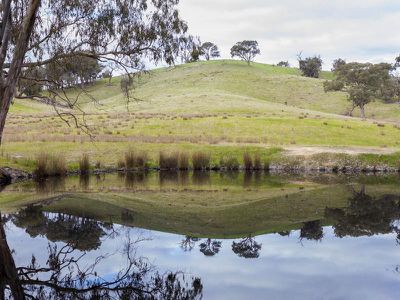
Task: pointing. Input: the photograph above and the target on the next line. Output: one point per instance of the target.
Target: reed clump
(84, 164)
(135, 160)
(201, 161)
(183, 163)
(50, 166)
(230, 163)
(169, 161)
(247, 161)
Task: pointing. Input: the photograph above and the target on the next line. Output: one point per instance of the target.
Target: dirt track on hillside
(311, 150)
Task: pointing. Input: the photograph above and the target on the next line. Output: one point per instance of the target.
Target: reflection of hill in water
(350, 212)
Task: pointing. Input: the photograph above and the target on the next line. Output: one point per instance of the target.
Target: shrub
(201, 161)
(84, 164)
(169, 161)
(230, 163)
(248, 162)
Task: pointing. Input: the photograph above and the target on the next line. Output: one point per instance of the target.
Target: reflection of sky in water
(350, 268)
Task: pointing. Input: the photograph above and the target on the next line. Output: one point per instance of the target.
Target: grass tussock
(169, 161)
(183, 162)
(135, 160)
(50, 165)
(84, 164)
(247, 161)
(201, 161)
(230, 163)
(252, 162)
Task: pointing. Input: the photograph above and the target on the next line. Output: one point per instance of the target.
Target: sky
(356, 30)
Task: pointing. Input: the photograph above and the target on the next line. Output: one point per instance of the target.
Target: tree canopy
(363, 83)
(310, 66)
(209, 50)
(245, 50)
(37, 33)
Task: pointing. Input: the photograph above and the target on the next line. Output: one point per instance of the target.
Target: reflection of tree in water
(64, 275)
(82, 233)
(312, 231)
(247, 248)
(284, 233)
(188, 243)
(366, 215)
(210, 247)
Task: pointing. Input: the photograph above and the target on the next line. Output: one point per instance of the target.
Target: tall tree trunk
(7, 90)
(362, 110)
(8, 270)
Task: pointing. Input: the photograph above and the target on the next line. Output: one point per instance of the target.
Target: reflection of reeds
(84, 181)
(201, 161)
(201, 178)
(133, 179)
(169, 177)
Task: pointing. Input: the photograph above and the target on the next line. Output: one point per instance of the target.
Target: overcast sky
(362, 30)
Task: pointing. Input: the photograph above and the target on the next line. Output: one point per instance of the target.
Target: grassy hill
(218, 106)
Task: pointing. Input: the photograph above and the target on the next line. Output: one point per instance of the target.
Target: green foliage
(333, 85)
(338, 63)
(364, 81)
(283, 64)
(209, 50)
(310, 66)
(245, 50)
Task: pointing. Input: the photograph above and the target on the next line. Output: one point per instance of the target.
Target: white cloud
(363, 30)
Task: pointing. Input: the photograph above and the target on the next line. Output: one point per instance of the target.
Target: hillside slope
(215, 106)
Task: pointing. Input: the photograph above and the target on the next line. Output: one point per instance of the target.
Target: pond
(202, 235)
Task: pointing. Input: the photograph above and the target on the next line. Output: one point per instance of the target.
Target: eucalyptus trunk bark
(8, 86)
(362, 110)
(8, 270)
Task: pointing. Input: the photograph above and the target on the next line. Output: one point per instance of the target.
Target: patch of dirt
(311, 150)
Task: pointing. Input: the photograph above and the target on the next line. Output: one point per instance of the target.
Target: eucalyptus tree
(310, 66)
(209, 50)
(36, 33)
(363, 82)
(245, 50)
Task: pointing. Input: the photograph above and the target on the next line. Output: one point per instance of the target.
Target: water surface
(210, 235)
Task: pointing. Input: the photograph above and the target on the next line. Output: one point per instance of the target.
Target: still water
(204, 235)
